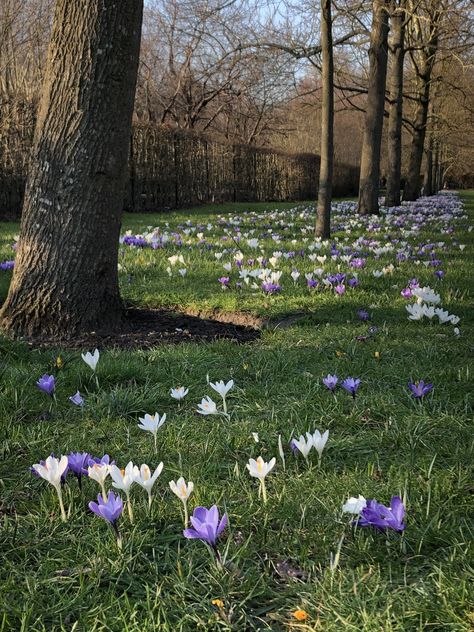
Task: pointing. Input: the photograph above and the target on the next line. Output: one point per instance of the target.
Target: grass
(71, 576)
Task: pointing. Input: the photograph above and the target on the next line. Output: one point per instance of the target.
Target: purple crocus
(406, 292)
(78, 462)
(77, 399)
(293, 447)
(312, 283)
(47, 384)
(100, 460)
(270, 288)
(110, 509)
(439, 274)
(363, 314)
(330, 381)
(224, 281)
(351, 385)
(7, 265)
(207, 526)
(419, 389)
(340, 289)
(381, 517)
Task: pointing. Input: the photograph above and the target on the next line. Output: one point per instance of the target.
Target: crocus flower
(110, 510)
(179, 393)
(98, 472)
(152, 423)
(260, 469)
(303, 444)
(351, 385)
(47, 384)
(77, 399)
(124, 479)
(354, 505)
(319, 441)
(340, 289)
(330, 381)
(381, 517)
(52, 470)
(224, 281)
(207, 526)
(183, 491)
(91, 359)
(207, 407)
(419, 389)
(78, 463)
(363, 314)
(146, 479)
(222, 389)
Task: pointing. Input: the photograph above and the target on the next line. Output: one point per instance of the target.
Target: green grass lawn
(71, 576)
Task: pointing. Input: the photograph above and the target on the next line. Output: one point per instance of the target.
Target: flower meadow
(319, 478)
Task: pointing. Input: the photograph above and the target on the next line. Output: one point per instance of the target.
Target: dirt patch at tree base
(145, 328)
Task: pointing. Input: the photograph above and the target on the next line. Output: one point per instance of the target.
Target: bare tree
(371, 145)
(65, 278)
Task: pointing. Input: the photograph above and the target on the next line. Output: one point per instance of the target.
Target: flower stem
(104, 492)
(156, 448)
(61, 504)
(149, 501)
(224, 405)
(264, 490)
(185, 514)
(129, 506)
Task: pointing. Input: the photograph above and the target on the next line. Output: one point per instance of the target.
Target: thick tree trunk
(65, 278)
(397, 55)
(370, 158)
(326, 169)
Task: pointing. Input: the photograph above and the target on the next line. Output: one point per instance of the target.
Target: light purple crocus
(100, 460)
(340, 289)
(376, 515)
(419, 389)
(206, 526)
(47, 384)
(351, 385)
(110, 509)
(330, 381)
(270, 288)
(77, 399)
(363, 314)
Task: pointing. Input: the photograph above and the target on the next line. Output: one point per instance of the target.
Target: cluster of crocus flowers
(371, 513)
(350, 384)
(260, 469)
(314, 440)
(208, 406)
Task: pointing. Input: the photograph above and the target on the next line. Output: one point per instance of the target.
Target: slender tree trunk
(436, 185)
(370, 158)
(323, 216)
(397, 56)
(65, 278)
(428, 178)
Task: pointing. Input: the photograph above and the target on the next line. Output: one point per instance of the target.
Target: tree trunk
(65, 279)
(428, 178)
(326, 169)
(397, 56)
(370, 158)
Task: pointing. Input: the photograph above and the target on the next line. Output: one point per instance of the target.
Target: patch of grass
(71, 576)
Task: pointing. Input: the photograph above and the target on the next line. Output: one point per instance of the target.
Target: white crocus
(51, 471)
(319, 441)
(152, 423)
(426, 295)
(124, 479)
(183, 491)
(415, 311)
(260, 469)
(146, 479)
(179, 393)
(91, 359)
(443, 315)
(222, 389)
(207, 407)
(354, 505)
(304, 445)
(99, 472)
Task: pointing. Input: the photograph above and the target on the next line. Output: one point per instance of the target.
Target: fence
(174, 168)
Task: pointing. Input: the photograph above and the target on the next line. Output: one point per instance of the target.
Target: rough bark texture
(372, 140)
(395, 85)
(428, 177)
(323, 212)
(65, 278)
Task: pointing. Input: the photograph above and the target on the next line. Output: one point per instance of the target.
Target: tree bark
(65, 279)
(370, 158)
(397, 56)
(326, 168)
(428, 177)
(423, 60)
